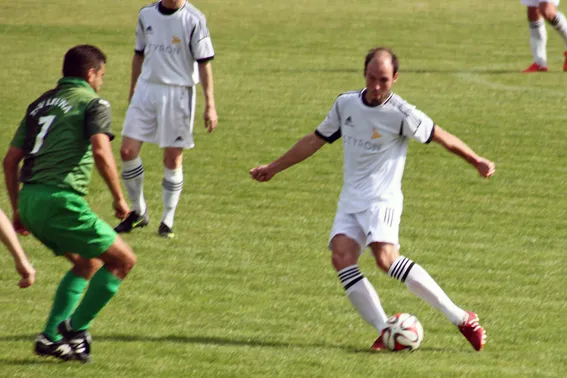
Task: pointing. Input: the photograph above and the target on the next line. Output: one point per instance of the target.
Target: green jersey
(55, 135)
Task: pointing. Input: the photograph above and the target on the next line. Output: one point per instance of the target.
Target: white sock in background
(171, 189)
(133, 176)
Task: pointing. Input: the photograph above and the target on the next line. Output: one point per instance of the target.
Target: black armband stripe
(331, 138)
(431, 135)
(205, 60)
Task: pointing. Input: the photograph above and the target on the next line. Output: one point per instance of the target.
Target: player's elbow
(100, 156)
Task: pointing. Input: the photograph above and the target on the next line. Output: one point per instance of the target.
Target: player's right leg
(548, 9)
(133, 176)
(538, 37)
(345, 245)
(118, 260)
(140, 125)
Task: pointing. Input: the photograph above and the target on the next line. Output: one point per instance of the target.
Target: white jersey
(172, 45)
(375, 141)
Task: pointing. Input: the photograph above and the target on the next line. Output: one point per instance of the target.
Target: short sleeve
(98, 118)
(200, 43)
(20, 136)
(140, 36)
(330, 128)
(417, 125)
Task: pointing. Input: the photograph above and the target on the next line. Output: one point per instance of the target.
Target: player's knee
(128, 153)
(127, 262)
(533, 14)
(341, 259)
(548, 11)
(86, 268)
(385, 255)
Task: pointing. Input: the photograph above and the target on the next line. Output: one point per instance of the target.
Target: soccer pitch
(246, 289)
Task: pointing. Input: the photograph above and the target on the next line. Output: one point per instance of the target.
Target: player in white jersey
(538, 12)
(375, 126)
(173, 52)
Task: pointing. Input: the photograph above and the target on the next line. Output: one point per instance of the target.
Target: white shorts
(535, 3)
(161, 114)
(377, 224)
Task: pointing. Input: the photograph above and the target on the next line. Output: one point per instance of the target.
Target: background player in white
(375, 126)
(538, 10)
(173, 52)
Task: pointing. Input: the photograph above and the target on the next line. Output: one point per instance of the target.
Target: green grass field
(247, 289)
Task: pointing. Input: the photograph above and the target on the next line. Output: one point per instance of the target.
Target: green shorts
(63, 221)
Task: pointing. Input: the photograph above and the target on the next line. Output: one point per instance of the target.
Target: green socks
(102, 288)
(67, 296)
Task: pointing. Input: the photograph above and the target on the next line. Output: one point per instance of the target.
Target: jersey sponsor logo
(54, 101)
(348, 121)
(376, 134)
(358, 143)
(164, 49)
(175, 40)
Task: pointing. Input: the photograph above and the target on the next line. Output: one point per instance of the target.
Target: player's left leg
(548, 9)
(420, 283)
(172, 185)
(538, 37)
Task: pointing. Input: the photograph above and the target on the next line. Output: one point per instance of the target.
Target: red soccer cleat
(565, 64)
(378, 345)
(535, 68)
(472, 331)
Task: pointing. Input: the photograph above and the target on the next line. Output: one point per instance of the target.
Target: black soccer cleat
(165, 231)
(79, 341)
(44, 347)
(132, 221)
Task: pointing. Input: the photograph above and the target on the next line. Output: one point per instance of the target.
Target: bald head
(381, 56)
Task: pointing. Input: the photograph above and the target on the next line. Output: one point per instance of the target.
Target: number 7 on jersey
(45, 122)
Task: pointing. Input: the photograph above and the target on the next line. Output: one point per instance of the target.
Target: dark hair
(379, 51)
(80, 59)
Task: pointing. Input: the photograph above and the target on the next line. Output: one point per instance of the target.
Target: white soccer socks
(420, 283)
(363, 296)
(172, 184)
(560, 24)
(538, 42)
(133, 176)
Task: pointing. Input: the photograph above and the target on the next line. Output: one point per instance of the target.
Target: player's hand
(18, 226)
(211, 118)
(262, 173)
(485, 167)
(27, 274)
(121, 208)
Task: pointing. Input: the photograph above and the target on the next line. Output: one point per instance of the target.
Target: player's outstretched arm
(206, 77)
(306, 147)
(485, 167)
(10, 240)
(106, 165)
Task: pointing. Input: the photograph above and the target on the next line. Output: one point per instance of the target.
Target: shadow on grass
(486, 71)
(28, 361)
(209, 340)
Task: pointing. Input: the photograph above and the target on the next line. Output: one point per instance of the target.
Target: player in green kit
(63, 134)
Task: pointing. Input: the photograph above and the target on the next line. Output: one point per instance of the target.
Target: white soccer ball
(403, 332)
